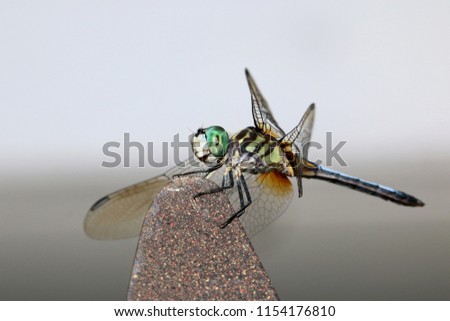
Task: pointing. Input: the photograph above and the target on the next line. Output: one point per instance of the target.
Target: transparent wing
(271, 194)
(262, 115)
(120, 214)
(300, 137)
(306, 126)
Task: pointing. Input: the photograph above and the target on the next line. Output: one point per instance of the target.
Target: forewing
(120, 214)
(262, 115)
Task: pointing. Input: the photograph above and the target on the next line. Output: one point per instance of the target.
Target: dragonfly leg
(224, 187)
(241, 196)
(241, 185)
(247, 193)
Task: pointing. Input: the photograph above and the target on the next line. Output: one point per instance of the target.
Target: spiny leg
(241, 185)
(247, 193)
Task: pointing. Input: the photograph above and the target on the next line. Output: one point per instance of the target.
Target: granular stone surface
(182, 253)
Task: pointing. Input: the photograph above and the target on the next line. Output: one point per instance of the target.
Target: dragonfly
(254, 167)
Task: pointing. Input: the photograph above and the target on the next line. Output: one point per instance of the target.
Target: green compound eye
(217, 139)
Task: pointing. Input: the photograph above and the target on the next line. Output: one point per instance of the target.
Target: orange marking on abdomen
(275, 181)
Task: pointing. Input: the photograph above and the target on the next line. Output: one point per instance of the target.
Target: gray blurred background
(77, 74)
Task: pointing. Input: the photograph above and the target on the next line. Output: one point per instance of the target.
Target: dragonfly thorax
(256, 152)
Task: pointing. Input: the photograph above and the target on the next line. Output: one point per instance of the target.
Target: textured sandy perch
(183, 255)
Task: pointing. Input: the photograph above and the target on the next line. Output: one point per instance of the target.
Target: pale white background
(75, 75)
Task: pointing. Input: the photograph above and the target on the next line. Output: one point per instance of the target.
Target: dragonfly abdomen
(384, 192)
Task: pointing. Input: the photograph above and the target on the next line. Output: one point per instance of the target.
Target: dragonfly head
(210, 144)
